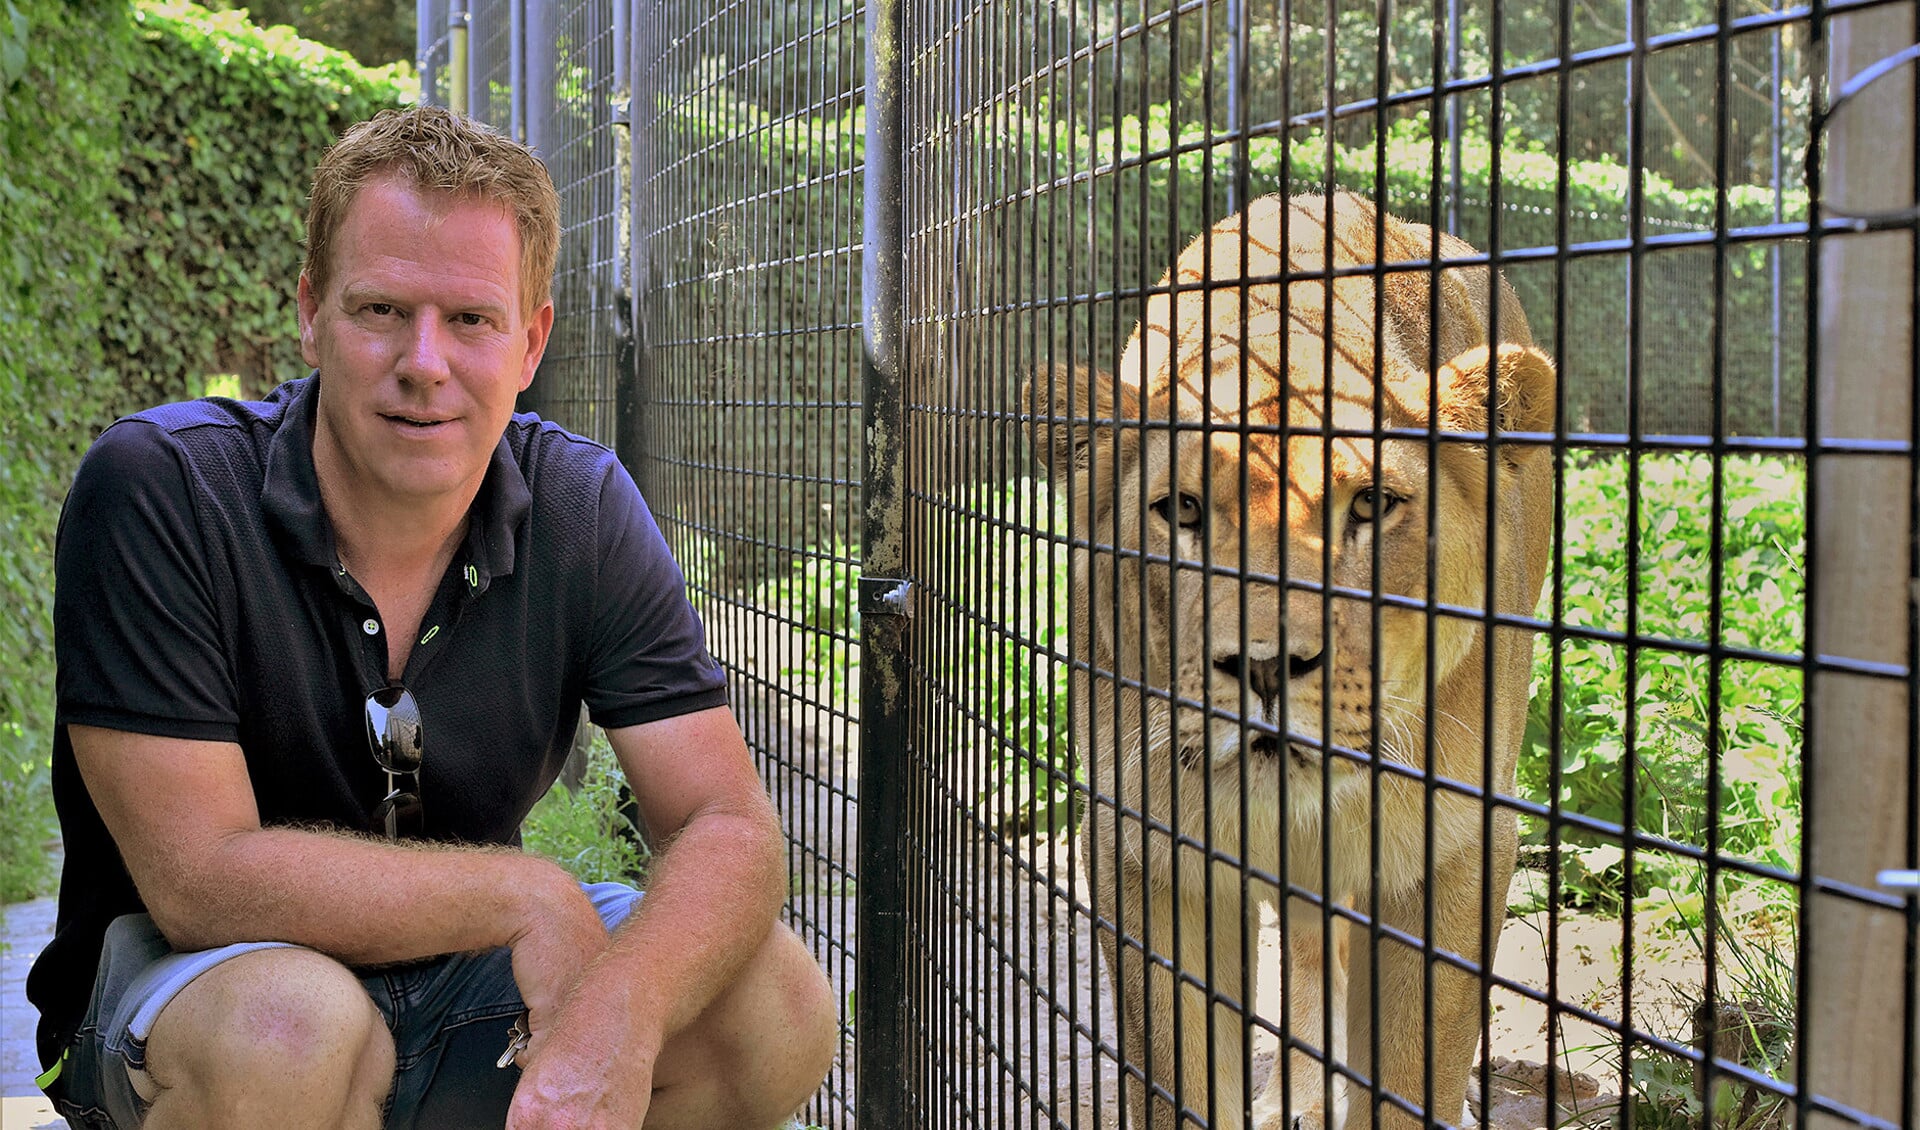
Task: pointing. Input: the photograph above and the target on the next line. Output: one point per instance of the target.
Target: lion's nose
(1262, 676)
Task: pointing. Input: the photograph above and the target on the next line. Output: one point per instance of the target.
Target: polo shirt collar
(290, 495)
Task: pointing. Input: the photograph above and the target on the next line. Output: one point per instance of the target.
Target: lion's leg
(1219, 941)
(1407, 1058)
(1299, 1081)
(1117, 900)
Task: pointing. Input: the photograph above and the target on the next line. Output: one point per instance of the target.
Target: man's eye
(1373, 503)
(472, 319)
(1179, 510)
(380, 309)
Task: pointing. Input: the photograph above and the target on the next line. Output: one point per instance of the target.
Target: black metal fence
(1007, 641)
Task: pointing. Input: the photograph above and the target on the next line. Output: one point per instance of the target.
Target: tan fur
(1190, 634)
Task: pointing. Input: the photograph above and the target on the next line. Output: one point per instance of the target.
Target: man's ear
(539, 331)
(309, 304)
(1073, 410)
(1518, 382)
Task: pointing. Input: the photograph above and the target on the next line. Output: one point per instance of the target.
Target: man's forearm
(359, 900)
(713, 895)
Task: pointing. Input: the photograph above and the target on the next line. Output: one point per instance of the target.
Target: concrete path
(27, 928)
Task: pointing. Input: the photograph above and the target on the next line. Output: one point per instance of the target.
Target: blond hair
(435, 150)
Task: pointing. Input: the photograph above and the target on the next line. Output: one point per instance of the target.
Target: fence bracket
(886, 596)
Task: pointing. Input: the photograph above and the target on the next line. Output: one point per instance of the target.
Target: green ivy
(62, 88)
(225, 122)
(153, 163)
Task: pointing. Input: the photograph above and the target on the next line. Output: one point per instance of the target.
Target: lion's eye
(1373, 504)
(1179, 510)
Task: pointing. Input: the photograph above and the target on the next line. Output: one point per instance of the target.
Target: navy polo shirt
(199, 595)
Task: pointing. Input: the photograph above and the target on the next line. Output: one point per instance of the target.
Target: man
(319, 656)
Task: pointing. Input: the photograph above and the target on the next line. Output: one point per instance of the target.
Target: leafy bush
(585, 830)
(62, 85)
(1755, 724)
(153, 165)
(224, 124)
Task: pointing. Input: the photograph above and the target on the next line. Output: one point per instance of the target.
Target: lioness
(1232, 521)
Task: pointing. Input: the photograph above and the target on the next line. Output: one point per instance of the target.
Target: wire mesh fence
(1526, 400)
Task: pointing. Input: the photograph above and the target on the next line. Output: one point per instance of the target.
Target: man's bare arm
(713, 894)
(184, 818)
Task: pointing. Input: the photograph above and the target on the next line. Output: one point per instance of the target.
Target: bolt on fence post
(1857, 1039)
(880, 1075)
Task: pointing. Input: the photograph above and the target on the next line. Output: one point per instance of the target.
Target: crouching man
(319, 655)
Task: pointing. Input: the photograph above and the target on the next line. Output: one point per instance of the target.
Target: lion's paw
(1309, 1120)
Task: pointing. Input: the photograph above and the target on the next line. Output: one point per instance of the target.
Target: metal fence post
(1859, 1036)
(885, 604)
(536, 82)
(633, 56)
(457, 64)
(517, 69)
(423, 25)
(475, 33)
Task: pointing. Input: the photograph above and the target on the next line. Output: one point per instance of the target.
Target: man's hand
(561, 936)
(592, 1072)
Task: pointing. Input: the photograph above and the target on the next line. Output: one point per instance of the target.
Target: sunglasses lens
(393, 729)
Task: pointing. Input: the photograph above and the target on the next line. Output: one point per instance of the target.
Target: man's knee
(761, 1052)
(290, 1022)
(801, 1001)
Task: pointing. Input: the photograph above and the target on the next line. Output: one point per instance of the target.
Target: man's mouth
(412, 421)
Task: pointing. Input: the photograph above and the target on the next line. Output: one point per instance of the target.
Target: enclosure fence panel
(748, 218)
(1287, 563)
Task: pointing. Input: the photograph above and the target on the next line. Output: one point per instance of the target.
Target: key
(517, 1037)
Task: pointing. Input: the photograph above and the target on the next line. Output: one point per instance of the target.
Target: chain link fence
(856, 289)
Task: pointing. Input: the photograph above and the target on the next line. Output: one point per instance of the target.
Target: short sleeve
(649, 657)
(137, 634)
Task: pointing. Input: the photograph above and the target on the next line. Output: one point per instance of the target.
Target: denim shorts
(449, 1018)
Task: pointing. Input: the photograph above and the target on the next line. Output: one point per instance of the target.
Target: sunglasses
(394, 733)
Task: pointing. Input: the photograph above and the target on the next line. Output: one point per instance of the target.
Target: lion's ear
(1522, 387)
(1073, 408)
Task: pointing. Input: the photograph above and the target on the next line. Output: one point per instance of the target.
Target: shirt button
(371, 627)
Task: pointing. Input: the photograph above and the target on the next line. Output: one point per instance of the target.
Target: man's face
(421, 342)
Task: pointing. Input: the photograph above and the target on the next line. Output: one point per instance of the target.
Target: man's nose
(423, 355)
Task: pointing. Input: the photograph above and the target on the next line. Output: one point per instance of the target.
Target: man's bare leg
(285, 1038)
(758, 1053)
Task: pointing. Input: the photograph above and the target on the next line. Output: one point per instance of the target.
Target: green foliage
(1670, 715)
(62, 85)
(991, 616)
(584, 830)
(993, 627)
(153, 165)
(375, 32)
(225, 122)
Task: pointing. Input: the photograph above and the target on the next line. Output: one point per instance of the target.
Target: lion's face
(1258, 560)
(1265, 522)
